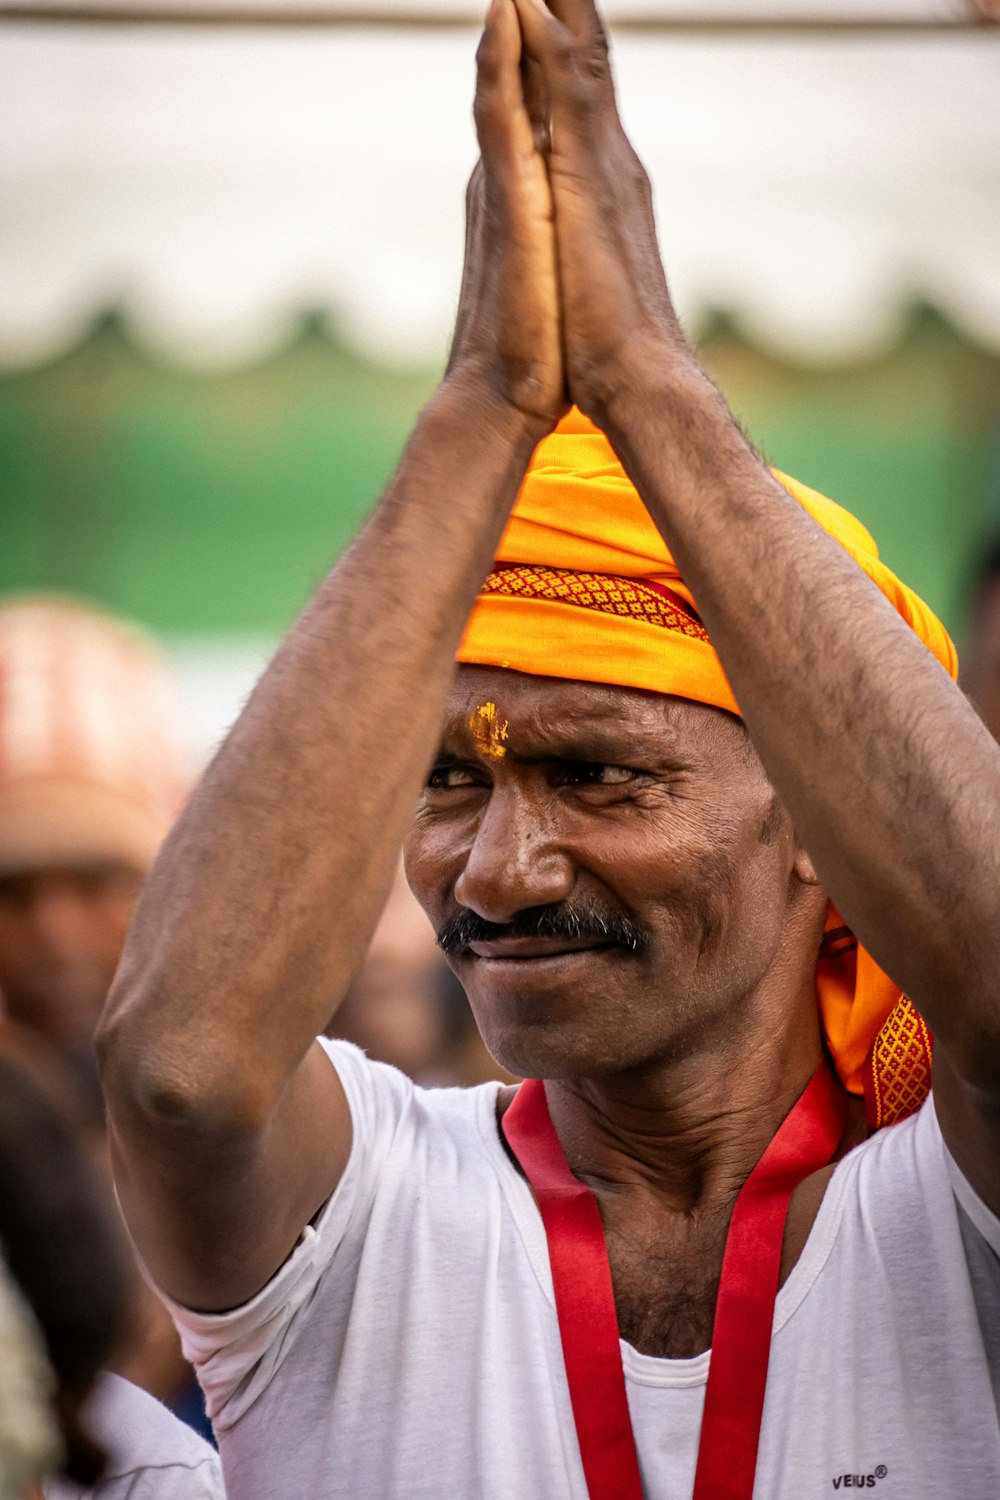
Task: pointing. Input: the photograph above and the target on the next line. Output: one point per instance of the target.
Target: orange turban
(584, 587)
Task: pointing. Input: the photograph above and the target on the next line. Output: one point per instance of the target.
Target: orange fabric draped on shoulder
(584, 587)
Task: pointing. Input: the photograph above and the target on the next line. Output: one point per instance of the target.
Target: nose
(516, 860)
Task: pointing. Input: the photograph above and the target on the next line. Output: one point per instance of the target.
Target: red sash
(741, 1335)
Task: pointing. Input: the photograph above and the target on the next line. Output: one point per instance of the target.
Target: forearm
(261, 904)
(891, 781)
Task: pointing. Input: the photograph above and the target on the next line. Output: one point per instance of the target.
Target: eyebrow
(590, 744)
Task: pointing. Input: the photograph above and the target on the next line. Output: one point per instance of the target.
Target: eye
(596, 773)
(447, 778)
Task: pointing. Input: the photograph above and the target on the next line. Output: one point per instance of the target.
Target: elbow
(167, 1081)
(148, 1081)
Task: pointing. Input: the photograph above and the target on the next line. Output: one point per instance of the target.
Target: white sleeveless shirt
(409, 1347)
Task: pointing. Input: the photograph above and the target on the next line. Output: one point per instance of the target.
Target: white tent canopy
(666, 14)
(216, 181)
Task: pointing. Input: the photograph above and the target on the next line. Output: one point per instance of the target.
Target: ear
(802, 866)
(778, 823)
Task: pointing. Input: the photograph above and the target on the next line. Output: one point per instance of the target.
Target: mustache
(559, 920)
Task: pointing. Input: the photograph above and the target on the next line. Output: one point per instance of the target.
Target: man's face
(61, 935)
(608, 870)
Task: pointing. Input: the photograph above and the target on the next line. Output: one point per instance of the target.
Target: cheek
(745, 905)
(713, 890)
(430, 867)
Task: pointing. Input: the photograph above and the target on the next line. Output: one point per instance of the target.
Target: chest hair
(666, 1280)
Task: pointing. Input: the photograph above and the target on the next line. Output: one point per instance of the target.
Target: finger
(572, 58)
(536, 102)
(582, 18)
(475, 271)
(515, 177)
(499, 108)
(473, 211)
(583, 21)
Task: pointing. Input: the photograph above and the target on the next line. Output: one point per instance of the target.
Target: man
(90, 780)
(91, 777)
(622, 880)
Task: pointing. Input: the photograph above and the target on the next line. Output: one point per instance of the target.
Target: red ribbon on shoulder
(744, 1313)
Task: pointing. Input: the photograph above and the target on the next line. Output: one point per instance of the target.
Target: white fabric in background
(151, 1455)
(217, 181)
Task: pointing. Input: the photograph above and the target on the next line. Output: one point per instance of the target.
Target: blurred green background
(211, 504)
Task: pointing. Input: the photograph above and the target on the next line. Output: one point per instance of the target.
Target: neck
(686, 1132)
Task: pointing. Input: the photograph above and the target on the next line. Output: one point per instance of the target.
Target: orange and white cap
(90, 762)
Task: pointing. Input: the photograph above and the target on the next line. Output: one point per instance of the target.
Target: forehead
(493, 706)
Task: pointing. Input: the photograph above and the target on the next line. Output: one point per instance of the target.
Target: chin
(545, 1048)
(562, 1019)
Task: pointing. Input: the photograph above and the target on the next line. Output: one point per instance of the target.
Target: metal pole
(162, 13)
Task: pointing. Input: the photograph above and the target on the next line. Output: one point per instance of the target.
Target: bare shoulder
(808, 1196)
(969, 1117)
(802, 1211)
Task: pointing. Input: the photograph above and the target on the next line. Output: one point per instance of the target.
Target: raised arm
(890, 778)
(229, 1127)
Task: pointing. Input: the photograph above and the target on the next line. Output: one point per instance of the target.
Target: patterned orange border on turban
(584, 587)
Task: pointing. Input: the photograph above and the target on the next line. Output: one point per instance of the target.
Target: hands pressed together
(229, 1127)
(563, 295)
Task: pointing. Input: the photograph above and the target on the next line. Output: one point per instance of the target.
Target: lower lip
(536, 964)
(533, 989)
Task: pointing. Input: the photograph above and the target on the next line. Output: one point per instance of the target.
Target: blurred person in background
(69, 1429)
(91, 778)
(90, 782)
(407, 1008)
(980, 674)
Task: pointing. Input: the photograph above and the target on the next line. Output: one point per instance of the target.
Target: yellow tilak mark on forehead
(488, 732)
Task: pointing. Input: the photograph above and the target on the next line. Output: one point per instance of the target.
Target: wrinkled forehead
(497, 708)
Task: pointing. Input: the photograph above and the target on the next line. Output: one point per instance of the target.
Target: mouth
(539, 938)
(533, 950)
